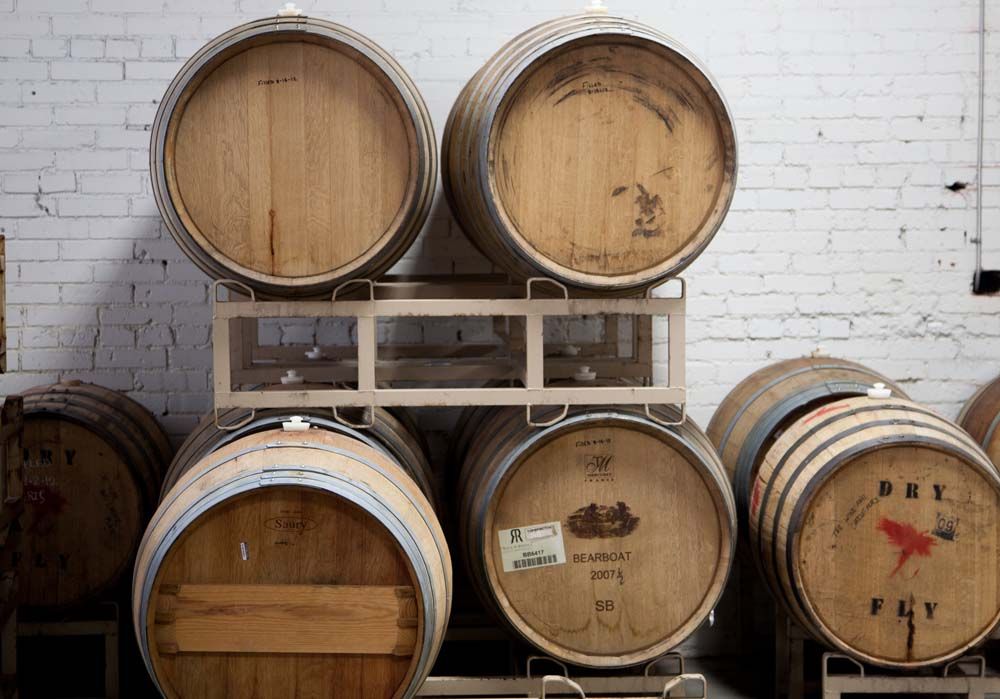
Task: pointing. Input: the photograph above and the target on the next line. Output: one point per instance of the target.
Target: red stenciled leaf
(907, 538)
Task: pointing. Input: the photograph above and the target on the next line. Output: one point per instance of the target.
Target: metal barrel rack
(859, 681)
(515, 370)
(681, 685)
(526, 359)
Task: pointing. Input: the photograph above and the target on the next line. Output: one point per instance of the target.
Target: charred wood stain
(911, 630)
(650, 206)
(643, 99)
(270, 235)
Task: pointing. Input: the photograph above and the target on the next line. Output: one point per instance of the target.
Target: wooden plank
(316, 619)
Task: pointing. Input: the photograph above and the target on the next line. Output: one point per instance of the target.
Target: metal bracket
(565, 681)
(228, 284)
(236, 425)
(547, 423)
(368, 417)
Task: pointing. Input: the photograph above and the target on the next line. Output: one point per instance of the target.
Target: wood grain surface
(877, 524)
(647, 527)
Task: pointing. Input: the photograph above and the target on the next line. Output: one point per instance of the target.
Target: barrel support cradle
(650, 684)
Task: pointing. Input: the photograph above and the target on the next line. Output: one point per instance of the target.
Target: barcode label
(532, 546)
(537, 561)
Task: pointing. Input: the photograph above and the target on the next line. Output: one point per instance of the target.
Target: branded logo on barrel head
(599, 467)
(602, 521)
(945, 527)
(290, 524)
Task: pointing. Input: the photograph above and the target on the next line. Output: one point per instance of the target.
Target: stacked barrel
(874, 521)
(296, 553)
(292, 154)
(93, 463)
(592, 150)
(597, 152)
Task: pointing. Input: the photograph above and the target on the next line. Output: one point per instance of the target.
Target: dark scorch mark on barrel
(643, 99)
(270, 236)
(911, 630)
(650, 206)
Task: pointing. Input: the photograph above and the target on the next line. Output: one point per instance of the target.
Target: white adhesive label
(534, 546)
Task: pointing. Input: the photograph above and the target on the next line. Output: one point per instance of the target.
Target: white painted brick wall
(853, 115)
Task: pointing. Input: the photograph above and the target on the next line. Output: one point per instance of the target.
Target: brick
(48, 48)
(57, 138)
(13, 48)
(92, 206)
(110, 184)
(122, 48)
(25, 116)
(152, 70)
(88, 25)
(90, 114)
(158, 48)
(86, 70)
(87, 48)
(57, 92)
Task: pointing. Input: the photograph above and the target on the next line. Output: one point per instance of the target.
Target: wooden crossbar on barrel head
(354, 619)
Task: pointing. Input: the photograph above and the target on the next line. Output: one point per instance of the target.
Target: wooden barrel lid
(593, 150)
(291, 154)
(607, 542)
(879, 523)
(608, 157)
(84, 512)
(303, 560)
(93, 459)
(319, 557)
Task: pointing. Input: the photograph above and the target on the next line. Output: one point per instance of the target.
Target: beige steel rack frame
(650, 684)
(234, 345)
(859, 682)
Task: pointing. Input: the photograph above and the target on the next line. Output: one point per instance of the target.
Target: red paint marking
(755, 498)
(823, 411)
(908, 539)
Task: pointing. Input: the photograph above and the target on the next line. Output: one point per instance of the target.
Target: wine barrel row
(604, 540)
(293, 554)
(291, 154)
(593, 150)
(93, 462)
(980, 417)
(873, 520)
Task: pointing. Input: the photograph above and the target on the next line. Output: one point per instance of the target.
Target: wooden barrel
(765, 403)
(980, 417)
(593, 150)
(291, 154)
(292, 561)
(876, 523)
(93, 463)
(603, 540)
(392, 432)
